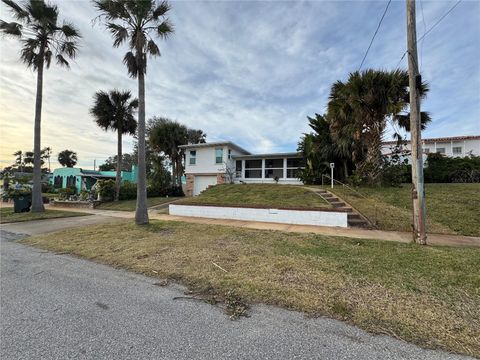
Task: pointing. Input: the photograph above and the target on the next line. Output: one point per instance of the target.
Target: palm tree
(359, 110)
(42, 38)
(135, 22)
(114, 110)
(67, 158)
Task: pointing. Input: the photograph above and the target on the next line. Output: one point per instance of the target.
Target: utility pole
(415, 83)
(94, 164)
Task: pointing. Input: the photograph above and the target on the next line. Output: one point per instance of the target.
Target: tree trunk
(118, 177)
(141, 214)
(37, 202)
(174, 178)
(179, 171)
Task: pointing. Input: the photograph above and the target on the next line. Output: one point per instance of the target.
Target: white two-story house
(225, 162)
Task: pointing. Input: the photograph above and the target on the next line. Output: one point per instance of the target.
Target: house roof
(270, 155)
(441, 139)
(212, 144)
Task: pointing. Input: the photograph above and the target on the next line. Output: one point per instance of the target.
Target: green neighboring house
(84, 179)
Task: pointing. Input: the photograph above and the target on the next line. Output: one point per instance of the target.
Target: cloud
(244, 71)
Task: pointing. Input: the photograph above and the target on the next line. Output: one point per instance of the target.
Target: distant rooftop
(441, 139)
(218, 143)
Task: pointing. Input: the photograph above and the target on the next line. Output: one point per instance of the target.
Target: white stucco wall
(299, 217)
(205, 163)
(470, 145)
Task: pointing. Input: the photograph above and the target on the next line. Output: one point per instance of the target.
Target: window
(441, 150)
(253, 169)
(229, 154)
(193, 157)
(426, 150)
(273, 168)
(294, 165)
(238, 168)
(457, 150)
(218, 155)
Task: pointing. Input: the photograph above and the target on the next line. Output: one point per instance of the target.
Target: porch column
(284, 168)
(243, 169)
(263, 169)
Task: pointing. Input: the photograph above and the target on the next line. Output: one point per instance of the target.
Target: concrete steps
(354, 218)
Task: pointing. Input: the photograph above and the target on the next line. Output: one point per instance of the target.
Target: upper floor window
(426, 150)
(441, 150)
(218, 155)
(193, 157)
(229, 154)
(457, 150)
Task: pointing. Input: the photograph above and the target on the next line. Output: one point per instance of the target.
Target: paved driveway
(61, 307)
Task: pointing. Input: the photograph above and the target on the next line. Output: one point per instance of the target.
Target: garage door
(201, 182)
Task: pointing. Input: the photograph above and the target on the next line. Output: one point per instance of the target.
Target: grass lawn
(129, 205)
(8, 216)
(273, 195)
(451, 208)
(426, 295)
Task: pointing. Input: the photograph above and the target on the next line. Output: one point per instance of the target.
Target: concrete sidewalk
(405, 237)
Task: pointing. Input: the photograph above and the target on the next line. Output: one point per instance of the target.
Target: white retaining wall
(299, 217)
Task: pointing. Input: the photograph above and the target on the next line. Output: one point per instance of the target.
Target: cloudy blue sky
(245, 71)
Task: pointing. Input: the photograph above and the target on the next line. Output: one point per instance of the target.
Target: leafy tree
(134, 22)
(359, 110)
(19, 159)
(165, 136)
(195, 136)
(128, 160)
(42, 38)
(46, 153)
(67, 158)
(114, 111)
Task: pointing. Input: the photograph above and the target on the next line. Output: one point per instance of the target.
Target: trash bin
(22, 203)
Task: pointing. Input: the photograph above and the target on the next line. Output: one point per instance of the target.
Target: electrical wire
(431, 28)
(375, 34)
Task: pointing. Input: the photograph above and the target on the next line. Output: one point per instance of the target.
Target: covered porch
(269, 168)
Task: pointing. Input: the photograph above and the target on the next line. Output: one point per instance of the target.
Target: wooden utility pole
(415, 83)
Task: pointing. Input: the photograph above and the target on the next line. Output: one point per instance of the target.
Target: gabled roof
(212, 144)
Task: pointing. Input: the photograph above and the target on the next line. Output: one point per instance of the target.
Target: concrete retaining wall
(299, 217)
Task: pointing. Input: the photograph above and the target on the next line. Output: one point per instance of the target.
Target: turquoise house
(84, 179)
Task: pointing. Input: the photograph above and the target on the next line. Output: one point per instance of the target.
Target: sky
(245, 71)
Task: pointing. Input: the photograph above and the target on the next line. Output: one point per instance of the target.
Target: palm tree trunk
(37, 202)
(141, 214)
(118, 177)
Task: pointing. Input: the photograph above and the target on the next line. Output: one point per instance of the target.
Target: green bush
(128, 191)
(442, 169)
(65, 193)
(106, 189)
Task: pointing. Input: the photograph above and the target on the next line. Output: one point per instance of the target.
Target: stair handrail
(356, 191)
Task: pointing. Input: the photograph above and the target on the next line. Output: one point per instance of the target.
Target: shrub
(442, 169)
(13, 193)
(128, 191)
(106, 189)
(48, 188)
(65, 193)
(176, 191)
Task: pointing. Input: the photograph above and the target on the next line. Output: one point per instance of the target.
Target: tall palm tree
(67, 158)
(135, 22)
(114, 111)
(42, 38)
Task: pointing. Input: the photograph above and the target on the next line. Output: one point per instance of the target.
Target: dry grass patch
(129, 205)
(7, 215)
(427, 295)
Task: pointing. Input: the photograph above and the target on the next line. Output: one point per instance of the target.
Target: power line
(431, 28)
(375, 34)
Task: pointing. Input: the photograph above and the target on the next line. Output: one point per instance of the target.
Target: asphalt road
(61, 307)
